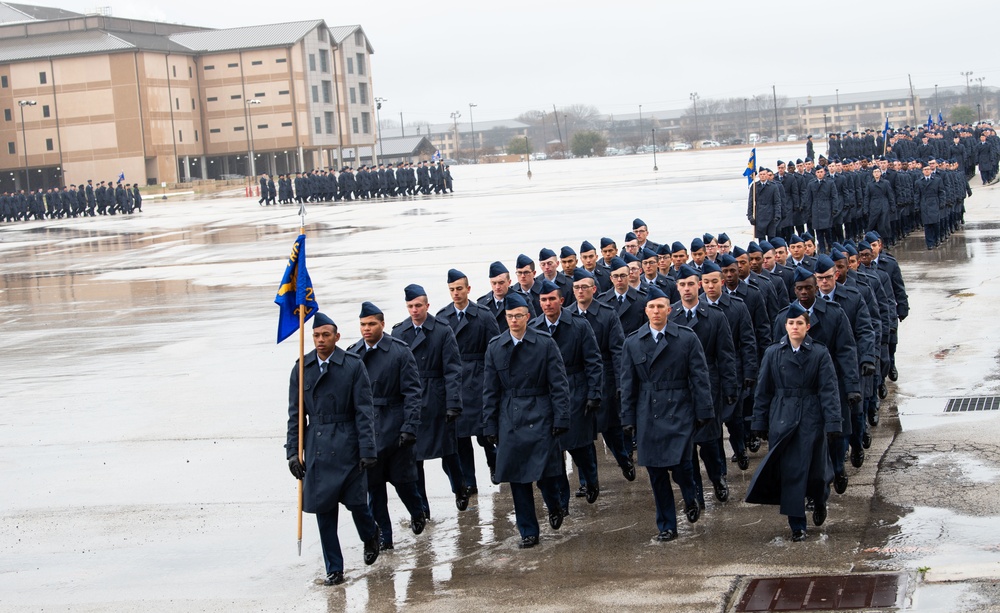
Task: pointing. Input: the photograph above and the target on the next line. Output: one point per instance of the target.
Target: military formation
(365, 183)
(74, 201)
(911, 179)
(662, 349)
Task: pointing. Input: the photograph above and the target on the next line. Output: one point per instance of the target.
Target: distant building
(167, 102)
(489, 136)
(404, 149)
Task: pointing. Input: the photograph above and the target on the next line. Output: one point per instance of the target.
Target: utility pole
(475, 155)
(402, 130)
(555, 115)
(454, 116)
(968, 90)
(694, 101)
(774, 96)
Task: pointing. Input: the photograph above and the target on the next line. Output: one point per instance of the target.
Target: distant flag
(885, 130)
(940, 119)
(929, 122)
(121, 177)
(296, 290)
(751, 169)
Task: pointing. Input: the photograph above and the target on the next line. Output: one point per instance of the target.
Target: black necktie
(461, 314)
(322, 368)
(827, 297)
(689, 315)
(552, 328)
(621, 299)
(499, 305)
(656, 338)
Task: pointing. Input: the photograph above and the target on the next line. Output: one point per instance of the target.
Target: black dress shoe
(334, 578)
(493, 476)
(753, 444)
(810, 504)
(628, 471)
(472, 490)
(528, 542)
(798, 536)
(743, 462)
(593, 491)
(883, 391)
(555, 520)
(417, 524)
(668, 535)
(858, 458)
(462, 498)
(701, 504)
(873, 417)
(692, 511)
(372, 547)
(386, 546)
(840, 483)
(582, 492)
(721, 490)
(893, 373)
(819, 515)
(866, 440)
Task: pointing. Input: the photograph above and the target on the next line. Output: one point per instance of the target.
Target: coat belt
(431, 374)
(332, 418)
(528, 391)
(792, 392)
(659, 386)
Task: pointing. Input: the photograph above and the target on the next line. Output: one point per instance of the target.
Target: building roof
(249, 37)
(406, 145)
(464, 127)
(61, 44)
(10, 12)
(152, 42)
(340, 33)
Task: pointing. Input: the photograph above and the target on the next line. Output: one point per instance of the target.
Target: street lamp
(936, 103)
(454, 117)
(566, 129)
(378, 129)
(655, 167)
(249, 120)
(640, 123)
(24, 141)
(968, 91)
(746, 118)
(979, 111)
(475, 155)
(694, 100)
(527, 153)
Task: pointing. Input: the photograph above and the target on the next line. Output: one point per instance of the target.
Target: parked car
(680, 147)
(708, 143)
(791, 137)
(539, 156)
(733, 141)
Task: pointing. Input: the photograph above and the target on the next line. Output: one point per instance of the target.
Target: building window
(192, 104)
(312, 62)
(324, 61)
(3, 81)
(260, 95)
(321, 34)
(238, 129)
(327, 89)
(283, 92)
(48, 144)
(6, 115)
(354, 97)
(366, 123)
(174, 70)
(235, 65)
(190, 72)
(42, 78)
(354, 124)
(262, 126)
(256, 63)
(359, 38)
(315, 91)
(350, 66)
(286, 124)
(45, 110)
(363, 91)
(235, 96)
(177, 104)
(11, 148)
(361, 63)
(319, 125)
(281, 60)
(211, 99)
(180, 136)
(214, 130)
(196, 136)
(210, 67)
(328, 117)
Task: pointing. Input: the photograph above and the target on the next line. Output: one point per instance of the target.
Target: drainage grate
(973, 403)
(836, 593)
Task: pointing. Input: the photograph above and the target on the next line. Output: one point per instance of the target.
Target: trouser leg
(663, 497)
(524, 509)
(330, 541)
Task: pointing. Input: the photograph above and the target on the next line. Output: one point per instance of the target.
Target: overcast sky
(432, 58)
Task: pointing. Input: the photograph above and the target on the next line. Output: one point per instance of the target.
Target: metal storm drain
(973, 403)
(831, 593)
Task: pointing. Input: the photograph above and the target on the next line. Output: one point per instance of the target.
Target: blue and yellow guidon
(295, 291)
(751, 166)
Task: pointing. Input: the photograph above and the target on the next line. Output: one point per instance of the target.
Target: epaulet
(632, 333)
(441, 311)
(398, 325)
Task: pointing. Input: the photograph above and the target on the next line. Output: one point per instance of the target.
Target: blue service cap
(864, 246)
(514, 300)
(837, 245)
(778, 242)
(523, 260)
(586, 247)
(629, 258)
(806, 237)
(630, 236)
(607, 242)
(823, 263)
(738, 251)
(566, 252)
(801, 273)
(766, 246)
(663, 249)
(753, 247)
(872, 236)
(413, 291)
(646, 253)
(795, 239)
(795, 310)
(723, 238)
(836, 255)
(545, 254)
(368, 309)
(707, 238)
(686, 271)
(547, 287)
(725, 259)
(455, 275)
(676, 247)
(851, 250)
(582, 273)
(321, 319)
(497, 269)
(708, 266)
(638, 223)
(654, 292)
(697, 244)
(617, 263)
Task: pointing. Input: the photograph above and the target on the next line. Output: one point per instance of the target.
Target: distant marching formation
(368, 182)
(655, 347)
(74, 201)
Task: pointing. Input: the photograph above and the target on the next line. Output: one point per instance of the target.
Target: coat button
(531, 425)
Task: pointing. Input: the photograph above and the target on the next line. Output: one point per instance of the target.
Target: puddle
(963, 465)
(944, 541)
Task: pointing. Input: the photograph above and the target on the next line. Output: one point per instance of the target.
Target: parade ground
(145, 403)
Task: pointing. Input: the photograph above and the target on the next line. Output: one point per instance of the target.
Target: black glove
(367, 463)
(761, 434)
(296, 467)
(748, 383)
(701, 423)
(832, 437)
(406, 439)
(629, 431)
(451, 415)
(492, 438)
(557, 431)
(593, 406)
(853, 399)
(867, 369)
(730, 400)
(902, 317)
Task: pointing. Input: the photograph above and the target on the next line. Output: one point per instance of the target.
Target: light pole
(746, 118)
(378, 118)
(640, 124)
(655, 167)
(979, 111)
(475, 155)
(249, 119)
(24, 142)
(454, 117)
(527, 154)
(936, 103)
(566, 127)
(968, 91)
(980, 81)
(694, 101)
